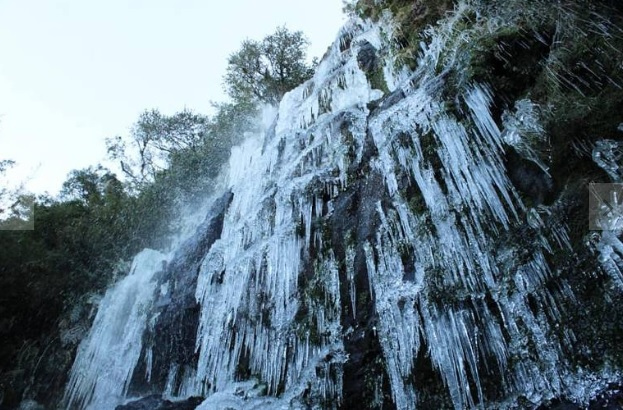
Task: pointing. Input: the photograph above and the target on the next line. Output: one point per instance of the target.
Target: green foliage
(231, 121)
(377, 79)
(265, 70)
(154, 138)
(76, 249)
(181, 152)
(92, 186)
(410, 18)
(410, 15)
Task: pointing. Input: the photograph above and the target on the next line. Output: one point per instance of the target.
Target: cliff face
(411, 232)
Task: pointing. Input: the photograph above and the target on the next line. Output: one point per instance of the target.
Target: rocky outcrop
(156, 402)
(172, 338)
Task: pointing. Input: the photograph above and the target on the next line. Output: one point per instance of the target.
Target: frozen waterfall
(362, 217)
(107, 357)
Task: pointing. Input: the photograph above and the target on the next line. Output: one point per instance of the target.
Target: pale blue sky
(73, 72)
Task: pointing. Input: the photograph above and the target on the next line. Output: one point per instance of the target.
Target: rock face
(366, 57)
(171, 340)
(529, 178)
(156, 402)
(403, 238)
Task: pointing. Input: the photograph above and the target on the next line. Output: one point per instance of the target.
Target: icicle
(608, 154)
(107, 357)
(610, 248)
(248, 282)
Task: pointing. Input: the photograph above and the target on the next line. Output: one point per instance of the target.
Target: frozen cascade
(364, 217)
(607, 154)
(107, 357)
(258, 256)
(251, 307)
(451, 249)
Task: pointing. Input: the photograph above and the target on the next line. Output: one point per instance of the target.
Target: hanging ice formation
(107, 357)
(370, 238)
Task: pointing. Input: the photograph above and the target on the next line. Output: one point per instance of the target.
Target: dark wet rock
(378, 106)
(529, 178)
(173, 337)
(611, 398)
(366, 58)
(146, 403)
(560, 405)
(354, 222)
(156, 402)
(513, 65)
(392, 98)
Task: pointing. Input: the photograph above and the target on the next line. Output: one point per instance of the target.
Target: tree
(231, 121)
(92, 186)
(154, 139)
(264, 71)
